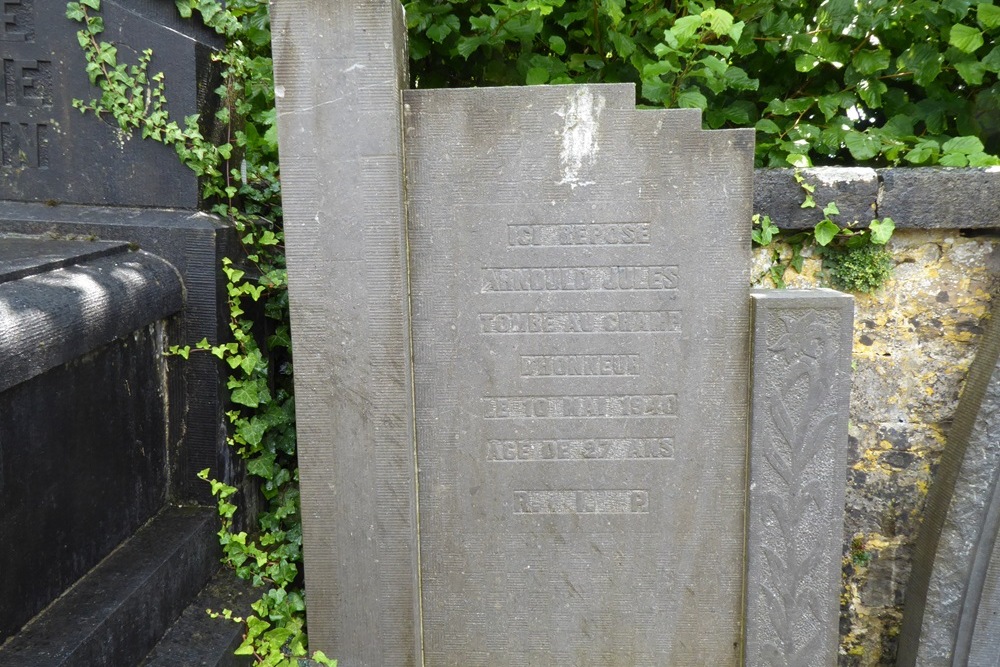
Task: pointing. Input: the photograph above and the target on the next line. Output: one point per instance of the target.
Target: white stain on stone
(831, 176)
(579, 135)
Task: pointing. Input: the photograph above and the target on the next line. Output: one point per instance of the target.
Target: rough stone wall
(914, 340)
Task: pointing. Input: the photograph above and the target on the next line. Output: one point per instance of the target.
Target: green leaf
(923, 60)
(806, 62)
(964, 38)
(954, 160)
(692, 99)
(719, 21)
(767, 126)
(825, 231)
(74, 11)
(971, 71)
(536, 76)
(861, 146)
(831, 209)
(557, 44)
(685, 27)
(963, 145)
(881, 231)
(870, 62)
(988, 15)
(93, 4)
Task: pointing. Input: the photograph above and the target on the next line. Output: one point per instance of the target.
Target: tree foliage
(911, 82)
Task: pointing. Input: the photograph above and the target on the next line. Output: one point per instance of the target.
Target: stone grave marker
(53, 153)
(521, 319)
(951, 614)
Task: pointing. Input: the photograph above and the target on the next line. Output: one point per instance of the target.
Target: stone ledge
(49, 318)
(915, 198)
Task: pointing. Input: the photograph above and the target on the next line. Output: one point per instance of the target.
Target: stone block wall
(914, 340)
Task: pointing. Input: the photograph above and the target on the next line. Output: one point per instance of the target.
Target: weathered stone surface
(914, 341)
(115, 614)
(49, 151)
(83, 464)
(25, 256)
(943, 198)
(339, 68)
(193, 243)
(942, 620)
(579, 369)
(49, 318)
(798, 463)
(853, 189)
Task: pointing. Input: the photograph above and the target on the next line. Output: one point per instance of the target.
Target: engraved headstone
(952, 610)
(580, 376)
(49, 151)
(579, 356)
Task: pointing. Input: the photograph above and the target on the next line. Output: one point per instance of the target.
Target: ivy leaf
(558, 45)
(825, 231)
(881, 231)
(965, 39)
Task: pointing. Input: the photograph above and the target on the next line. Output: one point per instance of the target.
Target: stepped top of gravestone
(49, 151)
(27, 256)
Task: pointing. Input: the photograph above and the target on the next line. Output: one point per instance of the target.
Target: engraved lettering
(577, 365)
(28, 83)
(582, 501)
(581, 449)
(24, 144)
(17, 21)
(592, 234)
(625, 321)
(564, 407)
(580, 278)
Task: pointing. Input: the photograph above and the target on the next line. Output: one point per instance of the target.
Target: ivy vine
(240, 182)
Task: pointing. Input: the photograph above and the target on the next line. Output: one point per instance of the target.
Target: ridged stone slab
(339, 67)
(798, 475)
(580, 289)
(952, 610)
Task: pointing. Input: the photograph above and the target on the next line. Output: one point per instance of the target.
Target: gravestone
(53, 153)
(951, 614)
(798, 463)
(521, 321)
(68, 175)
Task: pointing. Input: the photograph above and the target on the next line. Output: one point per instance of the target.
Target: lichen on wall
(914, 340)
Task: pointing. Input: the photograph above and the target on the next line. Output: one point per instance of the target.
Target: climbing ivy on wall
(884, 82)
(240, 183)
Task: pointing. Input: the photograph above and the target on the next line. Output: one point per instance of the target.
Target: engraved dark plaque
(580, 364)
(49, 151)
